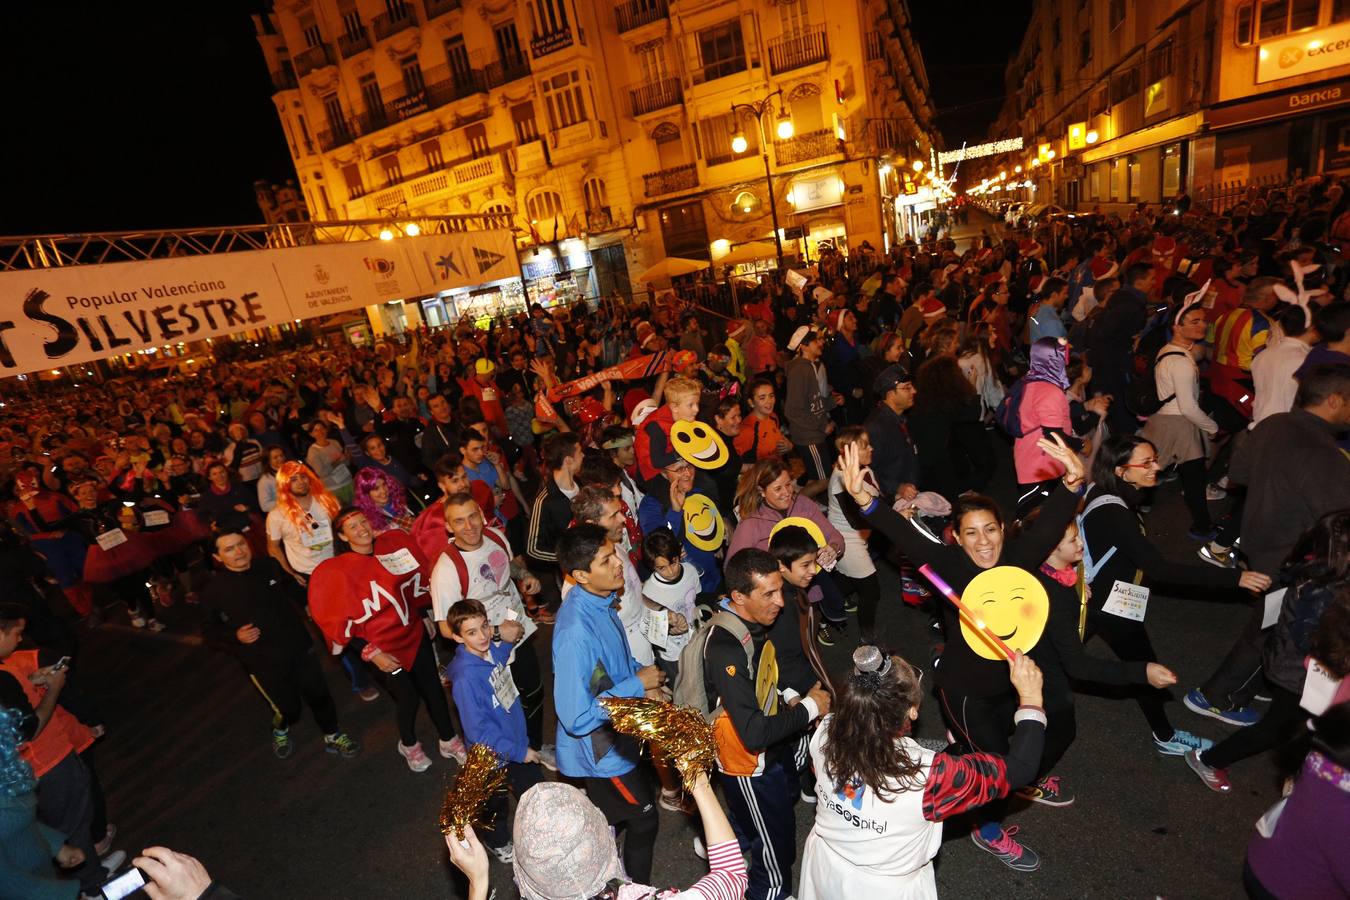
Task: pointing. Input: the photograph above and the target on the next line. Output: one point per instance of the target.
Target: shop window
(1171, 170)
(1133, 175)
(1118, 180)
(544, 206)
(1095, 183)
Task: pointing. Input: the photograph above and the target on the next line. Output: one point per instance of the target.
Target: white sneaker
(417, 758)
(454, 749)
(1214, 492)
(505, 855)
(113, 861)
(138, 621)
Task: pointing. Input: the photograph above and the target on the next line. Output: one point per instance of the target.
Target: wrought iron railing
(394, 20)
(656, 95)
(315, 57)
(800, 49)
(667, 181)
(811, 145)
(636, 13)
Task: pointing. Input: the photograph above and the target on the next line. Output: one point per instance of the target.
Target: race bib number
(1271, 615)
(503, 686)
(656, 628)
(1129, 601)
(156, 517)
(400, 562)
(110, 539)
(319, 536)
(1319, 688)
(489, 395)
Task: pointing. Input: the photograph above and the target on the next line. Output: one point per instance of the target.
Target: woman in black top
(1117, 552)
(976, 699)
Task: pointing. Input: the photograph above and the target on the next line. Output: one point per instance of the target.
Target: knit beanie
(563, 846)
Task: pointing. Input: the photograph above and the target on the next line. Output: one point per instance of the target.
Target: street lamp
(784, 130)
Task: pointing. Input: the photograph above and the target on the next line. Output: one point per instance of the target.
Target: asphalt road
(187, 763)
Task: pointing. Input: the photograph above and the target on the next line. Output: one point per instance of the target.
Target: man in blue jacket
(591, 659)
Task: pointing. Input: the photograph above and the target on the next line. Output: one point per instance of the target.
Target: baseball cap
(889, 378)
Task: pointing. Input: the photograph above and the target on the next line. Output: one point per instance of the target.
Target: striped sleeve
(726, 878)
(533, 549)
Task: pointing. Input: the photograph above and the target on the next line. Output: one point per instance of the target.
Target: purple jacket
(1306, 858)
(753, 531)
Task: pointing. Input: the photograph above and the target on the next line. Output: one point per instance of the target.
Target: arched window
(593, 190)
(544, 205)
(501, 212)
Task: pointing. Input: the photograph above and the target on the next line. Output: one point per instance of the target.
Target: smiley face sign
(699, 444)
(703, 525)
(800, 522)
(1012, 604)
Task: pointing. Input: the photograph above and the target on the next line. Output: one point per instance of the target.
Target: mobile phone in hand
(61, 664)
(124, 884)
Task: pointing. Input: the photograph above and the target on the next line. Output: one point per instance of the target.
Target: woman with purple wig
(383, 500)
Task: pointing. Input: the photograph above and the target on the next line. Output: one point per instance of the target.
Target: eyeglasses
(1146, 464)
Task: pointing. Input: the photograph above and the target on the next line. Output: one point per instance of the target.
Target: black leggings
(868, 589)
(410, 685)
(529, 681)
(1281, 724)
(1129, 641)
(1193, 482)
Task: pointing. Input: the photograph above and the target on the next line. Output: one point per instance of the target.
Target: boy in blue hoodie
(490, 710)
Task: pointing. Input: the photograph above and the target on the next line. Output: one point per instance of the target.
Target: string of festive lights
(992, 148)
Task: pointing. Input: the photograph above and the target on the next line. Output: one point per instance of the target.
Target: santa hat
(684, 359)
(645, 333)
(1103, 267)
(1164, 246)
(835, 320)
(932, 308)
(991, 279)
(642, 411)
(800, 335)
(738, 329)
(1028, 247)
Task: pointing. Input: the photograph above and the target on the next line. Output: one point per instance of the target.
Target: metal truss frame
(45, 251)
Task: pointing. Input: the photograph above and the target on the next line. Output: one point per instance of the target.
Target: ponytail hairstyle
(869, 715)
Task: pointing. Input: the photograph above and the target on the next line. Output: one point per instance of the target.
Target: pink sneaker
(417, 759)
(454, 749)
(1008, 851)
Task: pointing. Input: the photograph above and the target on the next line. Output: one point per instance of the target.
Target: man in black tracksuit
(756, 728)
(253, 611)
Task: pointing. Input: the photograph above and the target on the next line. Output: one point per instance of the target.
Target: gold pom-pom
(678, 731)
(469, 791)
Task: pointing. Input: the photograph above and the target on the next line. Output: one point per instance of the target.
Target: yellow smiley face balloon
(800, 522)
(1012, 604)
(699, 444)
(703, 525)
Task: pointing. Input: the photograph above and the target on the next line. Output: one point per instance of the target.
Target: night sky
(159, 115)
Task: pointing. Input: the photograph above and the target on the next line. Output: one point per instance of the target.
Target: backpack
(690, 687)
(1141, 396)
(1090, 566)
(456, 557)
(1007, 415)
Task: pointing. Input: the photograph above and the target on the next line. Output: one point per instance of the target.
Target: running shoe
(113, 861)
(281, 743)
(1181, 743)
(138, 621)
(104, 847)
(809, 797)
(505, 855)
(369, 694)
(1006, 849)
(417, 758)
(851, 604)
(1049, 791)
(823, 635)
(1242, 716)
(677, 801)
(1203, 536)
(1215, 555)
(1215, 779)
(342, 744)
(548, 757)
(454, 749)
(1214, 492)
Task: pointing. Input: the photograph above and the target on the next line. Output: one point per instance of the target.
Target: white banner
(62, 316)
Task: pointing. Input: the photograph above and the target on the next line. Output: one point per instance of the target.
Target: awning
(1153, 136)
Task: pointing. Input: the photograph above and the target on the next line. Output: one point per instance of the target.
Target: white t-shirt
(633, 614)
(308, 545)
(489, 568)
(677, 596)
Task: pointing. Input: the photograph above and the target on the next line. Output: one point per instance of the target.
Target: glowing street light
(738, 142)
(784, 127)
(386, 234)
(784, 130)
(413, 230)
(918, 165)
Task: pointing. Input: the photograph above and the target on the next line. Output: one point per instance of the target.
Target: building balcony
(636, 13)
(506, 71)
(529, 157)
(804, 48)
(485, 168)
(720, 69)
(313, 58)
(552, 42)
(812, 145)
(575, 134)
(436, 8)
(332, 138)
(875, 50)
(283, 79)
(349, 45)
(668, 181)
(396, 19)
(655, 95)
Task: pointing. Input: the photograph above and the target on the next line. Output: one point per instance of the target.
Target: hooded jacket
(484, 720)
